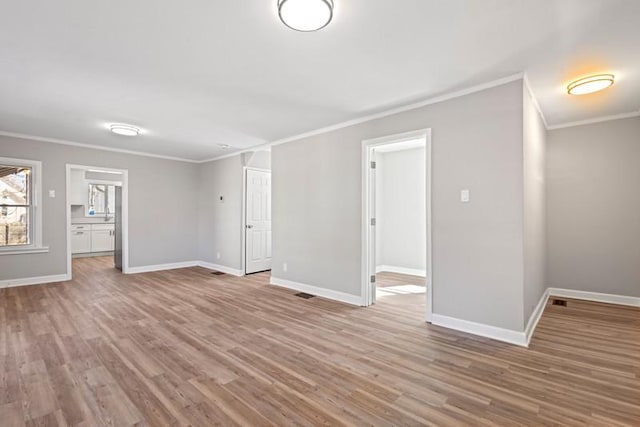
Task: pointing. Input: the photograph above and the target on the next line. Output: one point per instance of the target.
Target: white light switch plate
(52, 194)
(465, 196)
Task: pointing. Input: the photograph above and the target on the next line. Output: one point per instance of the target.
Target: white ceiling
(207, 72)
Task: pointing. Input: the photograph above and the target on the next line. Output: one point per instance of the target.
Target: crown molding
(595, 120)
(527, 86)
(386, 113)
(95, 147)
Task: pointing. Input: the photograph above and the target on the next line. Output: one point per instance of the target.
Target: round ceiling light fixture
(125, 130)
(305, 15)
(590, 84)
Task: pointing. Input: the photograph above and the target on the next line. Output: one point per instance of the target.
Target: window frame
(35, 217)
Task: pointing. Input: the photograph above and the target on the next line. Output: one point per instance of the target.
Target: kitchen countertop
(88, 221)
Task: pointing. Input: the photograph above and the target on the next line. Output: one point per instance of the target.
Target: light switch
(52, 194)
(464, 196)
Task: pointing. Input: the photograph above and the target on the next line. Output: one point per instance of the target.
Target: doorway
(97, 218)
(257, 220)
(397, 220)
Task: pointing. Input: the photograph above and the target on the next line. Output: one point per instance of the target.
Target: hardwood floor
(185, 347)
(392, 289)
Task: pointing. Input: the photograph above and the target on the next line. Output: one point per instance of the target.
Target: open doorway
(396, 221)
(257, 235)
(97, 219)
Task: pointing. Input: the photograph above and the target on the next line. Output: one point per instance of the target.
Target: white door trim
(367, 268)
(244, 214)
(125, 213)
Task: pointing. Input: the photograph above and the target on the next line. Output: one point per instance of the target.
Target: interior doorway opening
(97, 218)
(396, 221)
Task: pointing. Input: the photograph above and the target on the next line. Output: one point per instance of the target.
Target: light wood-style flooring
(185, 347)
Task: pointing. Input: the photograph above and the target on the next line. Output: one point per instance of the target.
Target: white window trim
(35, 245)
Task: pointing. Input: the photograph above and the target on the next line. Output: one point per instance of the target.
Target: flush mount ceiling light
(305, 15)
(590, 84)
(125, 130)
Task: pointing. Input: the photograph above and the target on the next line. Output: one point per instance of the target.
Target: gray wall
(593, 207)
(477, 246)
(400, 209)
(162, 228)
(220, 223)
(534, 161)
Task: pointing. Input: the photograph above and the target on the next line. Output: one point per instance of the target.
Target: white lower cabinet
(88, 238)
(80, 242)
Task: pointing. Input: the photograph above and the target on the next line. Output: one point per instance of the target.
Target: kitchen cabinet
(79, 190)
(80, 241)
(89, 238)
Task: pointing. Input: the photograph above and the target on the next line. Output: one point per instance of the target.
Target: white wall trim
(222, 268)
(527, 86)
(401, 270)
(321, 292)
(92, 146)
(161, 267)
(28, 281)
(386, 113)
(536, 315)
(595, 296)
(488, 331)
(595, 120)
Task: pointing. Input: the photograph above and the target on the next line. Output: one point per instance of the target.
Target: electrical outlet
(284, 267)
(465, 196)
(217, 255)
(52, 194)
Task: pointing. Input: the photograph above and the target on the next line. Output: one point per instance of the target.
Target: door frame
(125, 213)
(244, 213)
(368, 267)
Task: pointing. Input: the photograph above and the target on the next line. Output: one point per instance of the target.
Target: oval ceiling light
(305, 15)
(125, 130)
(590, 84)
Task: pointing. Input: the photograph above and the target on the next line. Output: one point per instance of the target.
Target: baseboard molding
(401, 270)
(222, 268)
(321, 292)
(536, 315)
(595, 296)
(28, 281)
(161, 267)
(487, 331)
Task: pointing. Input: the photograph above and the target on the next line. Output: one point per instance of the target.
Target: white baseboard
(401, 270)
(595, 296)
(222, 268)
(321, 292)
(536, 315)
(488, 331)
(161, 267)
(28, 281)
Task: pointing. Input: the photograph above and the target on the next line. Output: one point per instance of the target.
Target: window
(102, 199)
(20, 228)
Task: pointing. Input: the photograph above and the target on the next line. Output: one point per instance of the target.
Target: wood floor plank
(185, 347)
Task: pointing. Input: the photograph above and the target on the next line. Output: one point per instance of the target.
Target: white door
(258, 221)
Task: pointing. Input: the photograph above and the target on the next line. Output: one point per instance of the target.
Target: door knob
(249, 226)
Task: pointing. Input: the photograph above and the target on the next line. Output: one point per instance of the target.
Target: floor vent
(305, 296)
(217, 273)
(560, 302)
